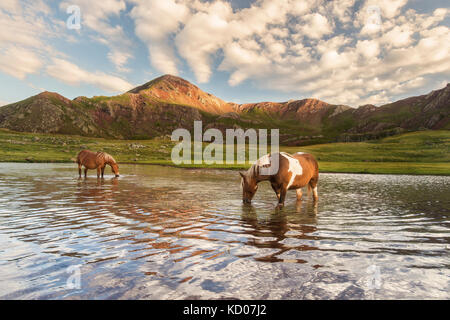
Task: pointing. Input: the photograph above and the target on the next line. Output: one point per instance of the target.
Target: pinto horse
(294, 172)
(96, 160)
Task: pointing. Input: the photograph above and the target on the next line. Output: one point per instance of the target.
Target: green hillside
(423, 152)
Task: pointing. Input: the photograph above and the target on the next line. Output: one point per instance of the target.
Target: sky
(351, 52)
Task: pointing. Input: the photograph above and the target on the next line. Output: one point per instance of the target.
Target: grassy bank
(424, 152)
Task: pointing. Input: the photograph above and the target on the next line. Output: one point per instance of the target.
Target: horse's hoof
(279, 206)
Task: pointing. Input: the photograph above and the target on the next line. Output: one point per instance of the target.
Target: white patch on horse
(264, 160)
(294, 167)
(299, 152)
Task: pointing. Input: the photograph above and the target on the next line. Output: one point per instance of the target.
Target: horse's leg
(99, 170)
(79, 169)
(298, 206)
(283, 191)
(299, 194)
(313, 186)
(277, 190)
(85, 172)
(103, 170)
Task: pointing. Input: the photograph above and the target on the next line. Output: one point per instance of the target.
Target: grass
(423, 152)
(417, 147)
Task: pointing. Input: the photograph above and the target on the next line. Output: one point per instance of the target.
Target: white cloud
(318, 48)
(19, 62)
(196, 49)
(120, 59)
(71, 74)
(26, 28)
(335, 43)
(408, 85)
(389, 8)
(368, 48)
(316, 26)
(201, 29)
(399, 36)
(245, 63)
(26, 23)
(342, 10)
(352, 67)
(155, 21)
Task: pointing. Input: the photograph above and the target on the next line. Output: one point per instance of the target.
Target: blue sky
(345, 52)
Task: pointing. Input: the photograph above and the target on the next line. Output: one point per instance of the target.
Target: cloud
(201, 29)
(389, 8)
(316, 26)
(346, 52)
(19, 62)
(97, 16)
(245, 63)
(368, 48)
(342, 10)
(71, 74)
(155, 21)
(25, 23)
(315, 48)
(399, 36)
(120, 59)
(196, 49)
(27, 26)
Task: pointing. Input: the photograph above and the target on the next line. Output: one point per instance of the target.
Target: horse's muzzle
(117, 176)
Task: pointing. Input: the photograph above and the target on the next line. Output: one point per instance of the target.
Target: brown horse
(96, 160)
(293, 172)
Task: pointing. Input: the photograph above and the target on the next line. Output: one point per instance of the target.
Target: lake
(169, 233)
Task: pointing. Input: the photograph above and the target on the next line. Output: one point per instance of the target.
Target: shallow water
(168, 233)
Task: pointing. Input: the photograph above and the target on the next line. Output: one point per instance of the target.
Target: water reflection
(163, 233)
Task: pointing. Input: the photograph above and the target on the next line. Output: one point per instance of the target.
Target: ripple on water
(168, 233)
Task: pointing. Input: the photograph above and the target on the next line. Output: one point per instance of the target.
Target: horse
(96, 160)
(294, 172)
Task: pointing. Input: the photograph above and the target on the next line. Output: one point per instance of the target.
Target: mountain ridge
(168, 102)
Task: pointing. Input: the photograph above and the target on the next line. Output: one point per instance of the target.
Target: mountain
(168, 102)
(431, 111)
(175, 90)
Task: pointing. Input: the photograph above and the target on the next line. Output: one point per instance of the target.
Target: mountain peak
(175, 90)
(172, 78)
(52, 95)
(166, 81)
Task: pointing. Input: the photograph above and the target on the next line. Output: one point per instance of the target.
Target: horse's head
(249, 187)
(115, 169)
(112, 162)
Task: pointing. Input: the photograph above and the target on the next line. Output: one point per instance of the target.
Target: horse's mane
(108, 158)
(255, 169)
